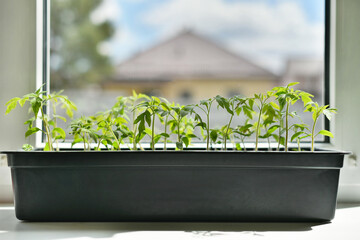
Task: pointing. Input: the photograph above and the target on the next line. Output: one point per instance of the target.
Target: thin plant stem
(166, 120)
(117, 141)
(227, 130)
(281, 126)
(84, 141)
(287, 126)
(208, 131)
(134, 128)
(98, 146)
(46, 125)
(178, 127)
(233, 142)
(242, 140)
(208, 125)
(269, 142)
(153, 132)
(258, 128)
(207, 113)
(313, 135)
(55, 125)
(88, 140)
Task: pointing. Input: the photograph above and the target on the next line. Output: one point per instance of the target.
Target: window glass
(184, 50)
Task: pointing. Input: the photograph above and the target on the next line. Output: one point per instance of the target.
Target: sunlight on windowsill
(345, 224)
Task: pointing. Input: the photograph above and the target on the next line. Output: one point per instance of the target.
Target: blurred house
(190, 67)
(309, 72)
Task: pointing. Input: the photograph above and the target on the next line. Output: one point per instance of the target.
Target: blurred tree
(75, 42)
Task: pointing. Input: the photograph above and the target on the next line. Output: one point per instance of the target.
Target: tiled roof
(188, 56)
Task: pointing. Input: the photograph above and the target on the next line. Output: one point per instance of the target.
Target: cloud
(123, 40)
(266, 33)
(134, 1)
(108, 10)
(124, 44)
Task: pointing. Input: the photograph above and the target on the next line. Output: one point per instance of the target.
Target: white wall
(347, 93)
(17, 76)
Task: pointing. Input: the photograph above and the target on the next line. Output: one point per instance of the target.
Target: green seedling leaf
(60, 117)
(238, 147)
(51, 122)
(36, 105)
(164, 135)
(141, 127)
(157, 138)
(305, 136)
(202, 125)
(165, 106)
(275, 106)
(268, 121)
(148, 131)
(115, 145)
(245, 127)
(191, 135)
(27, 147)
(183, 113)
(148, 117)
(315, 116)
(272, 129)
(205, 102)
(328, 113)
(11, 104)
(300, 126)
(188, 108)
(326, 133)
(213, 135)
(32, 131)
(292, 84)
(47, 147)
(140, 136)
(163, 114)
(120, 120)
(22, 101)
(59, 131)
(186, 141)
(248, 112)
(179, 145)
(139, 118)
(30, 122)
(77, 140)
(306, 97)
(296, 135)
(251, 103)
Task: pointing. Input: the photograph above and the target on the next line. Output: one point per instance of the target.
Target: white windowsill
(344, 226)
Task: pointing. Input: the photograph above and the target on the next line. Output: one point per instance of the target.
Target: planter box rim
(319, 151)
(197, 159)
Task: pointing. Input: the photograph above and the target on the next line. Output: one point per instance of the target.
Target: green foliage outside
(75, 40)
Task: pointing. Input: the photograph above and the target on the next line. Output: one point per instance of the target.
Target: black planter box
(175, 185)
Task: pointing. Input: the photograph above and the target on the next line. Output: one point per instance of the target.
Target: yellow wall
(126, 88)
(198, 88)
(202, 89)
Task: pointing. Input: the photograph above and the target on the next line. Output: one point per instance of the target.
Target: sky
(266, 32)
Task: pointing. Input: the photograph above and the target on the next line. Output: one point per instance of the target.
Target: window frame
(43, 69)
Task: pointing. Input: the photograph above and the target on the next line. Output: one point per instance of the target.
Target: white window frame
(42, 53)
